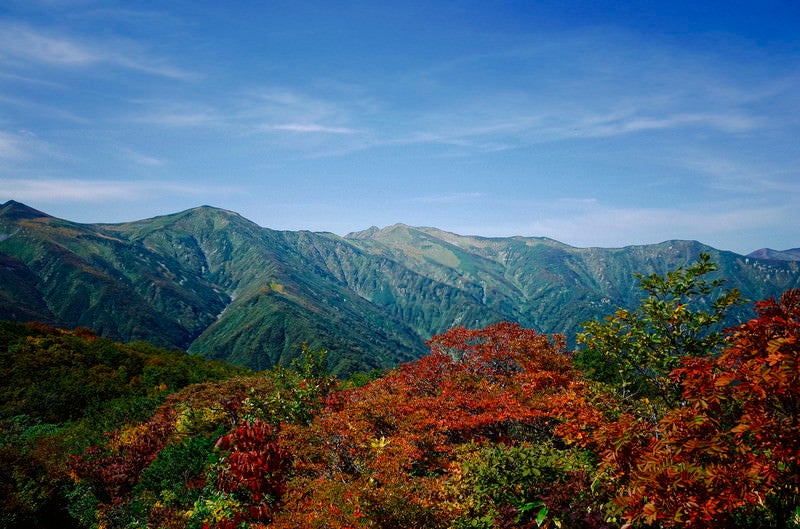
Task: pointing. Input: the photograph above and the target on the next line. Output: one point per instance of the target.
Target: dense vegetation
(60, 393)
(660, 420)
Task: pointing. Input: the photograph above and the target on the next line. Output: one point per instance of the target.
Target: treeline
(661, 419)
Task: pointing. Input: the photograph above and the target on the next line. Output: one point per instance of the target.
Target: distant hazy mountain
(212, 282)
(792, 254)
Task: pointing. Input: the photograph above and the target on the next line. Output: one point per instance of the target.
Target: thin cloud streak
(612, 126)
(178, 118)
(309, 127)
(496, 120)
(25, 44)
(653, 89)
(21, 45)
(141, 159)
(49, 191)
(531, 130)
(43, 110)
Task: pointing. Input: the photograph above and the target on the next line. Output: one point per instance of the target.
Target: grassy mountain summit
(214, 283)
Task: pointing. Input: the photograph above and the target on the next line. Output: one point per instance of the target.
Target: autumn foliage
(395, 453)
(494, 428)
(731, 451)
(409, 449)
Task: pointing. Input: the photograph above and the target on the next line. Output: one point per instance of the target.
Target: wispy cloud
(11, 147)
(615, 85)
(53, 190)
(527, 121)
(522, 130)
(275, 111)
(294, 111)
(177, 115)
(741, 175)
(21, 45)
(47, 110)
(22, 146)
(615, 126)
(616, 89)
(286, 105)
(309, 128)
(141, 159)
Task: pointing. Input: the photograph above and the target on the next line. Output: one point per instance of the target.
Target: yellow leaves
(102, 522)
(725, 380)
(774, 354)
(272, 287)
(219, 507)
(740, 428)
(379, 444)
(650, 513)
(127, 436)
(678, 314)
(190, 420)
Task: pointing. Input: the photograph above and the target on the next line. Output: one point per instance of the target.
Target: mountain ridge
(215, 283)
(792, 254)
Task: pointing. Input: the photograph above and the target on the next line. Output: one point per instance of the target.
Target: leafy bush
(523, 486)
(635, 350)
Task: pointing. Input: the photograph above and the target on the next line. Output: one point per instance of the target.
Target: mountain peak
(374, 232)
(369, 233)
(204, 211)
(208, 215)
(13, 210)
(214, 209)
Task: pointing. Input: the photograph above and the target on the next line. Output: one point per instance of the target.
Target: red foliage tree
(255, 467)
(732, 449)
(383, 455)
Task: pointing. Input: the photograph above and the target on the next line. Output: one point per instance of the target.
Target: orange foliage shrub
(383, 455)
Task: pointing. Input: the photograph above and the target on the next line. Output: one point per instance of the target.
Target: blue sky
(593, 123)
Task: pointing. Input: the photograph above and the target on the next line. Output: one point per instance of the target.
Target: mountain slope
(88, 276)
(212, 282)
(206, 280)
(554, 287)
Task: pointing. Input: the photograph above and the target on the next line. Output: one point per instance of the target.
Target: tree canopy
(662, 420)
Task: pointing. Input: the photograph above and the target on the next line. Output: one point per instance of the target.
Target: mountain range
(211, 282)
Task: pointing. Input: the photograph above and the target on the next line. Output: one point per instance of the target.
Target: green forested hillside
(62, 391)
(211, 282)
